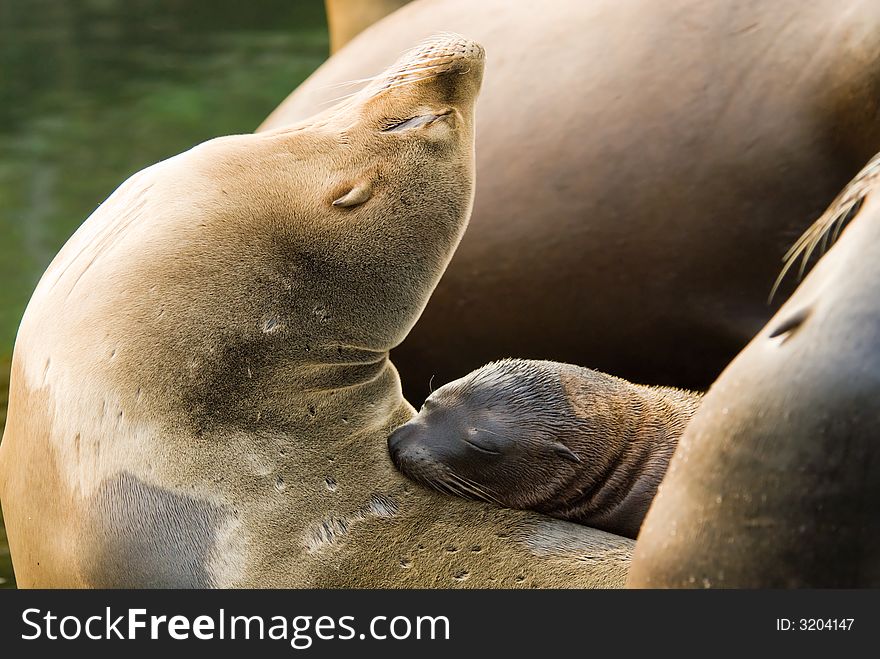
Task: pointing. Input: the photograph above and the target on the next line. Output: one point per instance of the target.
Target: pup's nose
(398, 440)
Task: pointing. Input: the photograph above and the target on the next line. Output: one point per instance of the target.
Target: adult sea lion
(201, 391)
(560, 439)
(776, 481)
(641, 168)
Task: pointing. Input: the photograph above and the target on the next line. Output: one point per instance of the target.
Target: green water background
(92, 91)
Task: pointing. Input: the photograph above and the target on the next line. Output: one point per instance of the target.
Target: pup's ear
(563, 451)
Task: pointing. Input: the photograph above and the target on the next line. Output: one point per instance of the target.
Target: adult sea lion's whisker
(844, 208)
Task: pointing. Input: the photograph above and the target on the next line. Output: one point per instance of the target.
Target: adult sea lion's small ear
(357, 195)
(563, 451)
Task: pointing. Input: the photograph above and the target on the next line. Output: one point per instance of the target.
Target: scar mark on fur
(105, 239)
(791, 324)
(461, 575)
(331, 531)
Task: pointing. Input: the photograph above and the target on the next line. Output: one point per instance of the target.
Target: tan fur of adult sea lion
(776, 481)
(348, 18)
(563, 440)
(642, 166)
(201, 391)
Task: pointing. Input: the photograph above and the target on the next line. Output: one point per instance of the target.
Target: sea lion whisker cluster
(776, 478)
(843, 209)
(409, 71)
(412, 79)
(415, 71)
(474, 489)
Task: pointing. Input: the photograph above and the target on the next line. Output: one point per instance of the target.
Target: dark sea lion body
(776, 481)
(642, 166)
(563, 440)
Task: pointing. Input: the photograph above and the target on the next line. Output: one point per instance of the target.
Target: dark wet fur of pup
(563, 440)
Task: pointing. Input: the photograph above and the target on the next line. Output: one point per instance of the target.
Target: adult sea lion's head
(383, 186)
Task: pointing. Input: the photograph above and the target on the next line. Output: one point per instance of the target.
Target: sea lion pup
(566, 441)
(201, 392)
(776, 481)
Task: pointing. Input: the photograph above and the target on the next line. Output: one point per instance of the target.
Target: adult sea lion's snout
(442, 55)
(431, 84)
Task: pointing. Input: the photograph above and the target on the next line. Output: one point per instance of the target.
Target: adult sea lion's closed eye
(415, 122)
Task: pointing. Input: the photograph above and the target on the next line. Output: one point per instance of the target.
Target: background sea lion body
(642, 167)
(201, 391)
(560, 439)
(776, 481)
(348, 18)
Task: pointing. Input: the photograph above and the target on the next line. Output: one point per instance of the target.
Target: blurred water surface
(92, 91)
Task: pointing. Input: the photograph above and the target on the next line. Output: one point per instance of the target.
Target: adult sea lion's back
(641, 168)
